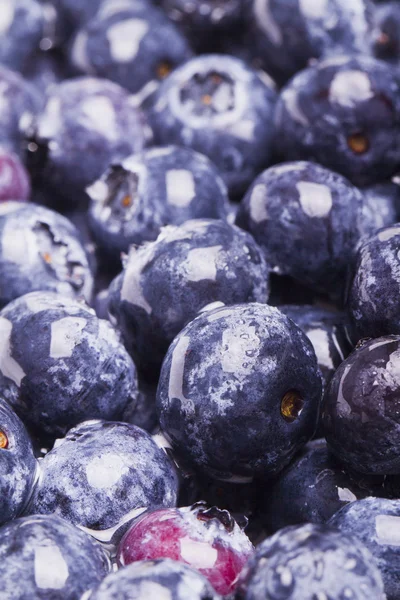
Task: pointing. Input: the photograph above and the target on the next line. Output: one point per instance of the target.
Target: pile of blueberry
(199, 300)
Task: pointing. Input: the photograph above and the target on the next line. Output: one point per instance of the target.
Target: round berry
(17, 465)
(362, 407)
(307, 221)
(61, 364)
(222, 108)
(208, 539)
(158, 579)
(43, 556)
(344, 114)
(239, 391)
(101, 472)
(310, 562)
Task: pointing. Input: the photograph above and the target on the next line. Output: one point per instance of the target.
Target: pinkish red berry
(207, 539)
(14, 179)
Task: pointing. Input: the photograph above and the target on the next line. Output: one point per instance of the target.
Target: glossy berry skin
(219, 106)
(231, 371)
(165, 283)
(385, 34)
(325, 329)
(208, 539)
(161, 186)
(120, 44)
(306, 219)
(162, 578)
(21, 31)
(43, 556)
(309, 562)
(310, 490)
(14, 179)
(361, 408)
(86, 124)
(344, 114)
(49, 256)
(375, 522)
(288, 34)
(373, 292)
(20, 102)
(62, 364)
(17, 464)
(381, 206)
(100, 472)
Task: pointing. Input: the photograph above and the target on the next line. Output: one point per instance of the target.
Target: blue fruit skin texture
(294, 37)
(151, 180)
(53, 390)
(381, 206)
(221, 386)
(159, 43)
(18, 98)
(175, 580)
(310, 490)
(386, 37)
(317, 113)
(361, 408)
(176, 284)
(325, 329)
(286, 210)
(307, 562)
(100, 472)
(375, 522)
(23, 33)
(236, 134)
(373, 298)
(42, 557)
(54, 260)
(79, 138)
(17, 465)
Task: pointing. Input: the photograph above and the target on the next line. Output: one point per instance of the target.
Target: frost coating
(8, 365)
(315, 198)
(348, 88)
(180, 187)
(51, 570)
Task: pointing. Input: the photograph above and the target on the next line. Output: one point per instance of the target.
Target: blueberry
(381, 206)
(49, 255)
(87, 123)
(222, 108)
(376, 523)
(161, 186)
(120, 44)
(344, 114)
(102, 471)
(43, 557)
(311, 562)
(158, 579)
(307, 221)
(373, 293)
(310, 490)
(19, 102)
(288, 34)
(326, 330)
(361, 408)
(239, 391)
(385, 35)
(17, 464)
(14, 178)
(165, 283)
(61, 364)
(22, 26)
